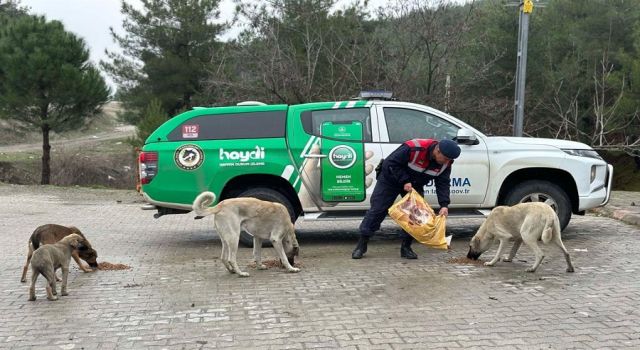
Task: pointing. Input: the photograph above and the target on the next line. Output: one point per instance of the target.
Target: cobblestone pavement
(177, 295)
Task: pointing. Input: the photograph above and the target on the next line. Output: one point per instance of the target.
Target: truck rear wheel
(266, 194)
(542, 191)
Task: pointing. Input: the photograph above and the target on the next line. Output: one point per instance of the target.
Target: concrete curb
(624, 215)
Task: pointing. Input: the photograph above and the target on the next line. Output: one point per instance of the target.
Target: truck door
(469, 173)
(333, 150)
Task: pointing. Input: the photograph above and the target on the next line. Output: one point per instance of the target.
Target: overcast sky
(91, 19)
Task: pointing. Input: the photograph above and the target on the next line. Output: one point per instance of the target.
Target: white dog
(524, 222)
(262, 219)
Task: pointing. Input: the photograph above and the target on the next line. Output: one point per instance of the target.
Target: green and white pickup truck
(318, 159)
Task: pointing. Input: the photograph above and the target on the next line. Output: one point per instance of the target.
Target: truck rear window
(312, 120)
(251, 125)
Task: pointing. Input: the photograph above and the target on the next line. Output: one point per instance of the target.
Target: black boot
(361, 248)
(405, 249)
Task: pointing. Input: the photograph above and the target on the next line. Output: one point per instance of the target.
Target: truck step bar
(359, 214)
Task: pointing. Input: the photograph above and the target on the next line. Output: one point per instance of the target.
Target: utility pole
(521, 70)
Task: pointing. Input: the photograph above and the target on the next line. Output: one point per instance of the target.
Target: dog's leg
(225, 257)
(558, 241)
(233, 262)
(65, 275)
(224, 254)
(76, 258)
(50, 295)
(514, 250)
(50, 275)
(26, 266)
(55, 281)
(277, 245)
(229, 231)
(538, 253)
(257, 253)
(498, 253)
(32, 288)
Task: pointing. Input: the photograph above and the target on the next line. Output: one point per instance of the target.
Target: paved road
(178, 295)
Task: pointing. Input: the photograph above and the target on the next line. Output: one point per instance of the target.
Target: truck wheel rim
(541, 197)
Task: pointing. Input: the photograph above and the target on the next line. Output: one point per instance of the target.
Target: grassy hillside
(626, 175)
(12, 132)
(96, 154)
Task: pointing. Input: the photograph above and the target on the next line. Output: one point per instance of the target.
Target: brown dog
(51, 233)
(50, 257)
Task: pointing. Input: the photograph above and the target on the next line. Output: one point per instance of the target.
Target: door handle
(315, 156)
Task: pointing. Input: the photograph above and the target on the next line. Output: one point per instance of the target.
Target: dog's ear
(74, 243)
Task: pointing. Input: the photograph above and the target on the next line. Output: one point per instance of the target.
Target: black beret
(449, 149)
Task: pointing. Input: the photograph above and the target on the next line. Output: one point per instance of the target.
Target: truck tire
(266, 194)
(542, 191)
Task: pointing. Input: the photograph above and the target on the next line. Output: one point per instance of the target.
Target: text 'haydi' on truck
(317, 160)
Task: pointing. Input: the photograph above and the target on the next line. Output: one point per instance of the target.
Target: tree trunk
(46, 155)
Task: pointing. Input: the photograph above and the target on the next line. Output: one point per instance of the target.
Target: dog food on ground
(271, 263)
(107, 266)
(463, 260)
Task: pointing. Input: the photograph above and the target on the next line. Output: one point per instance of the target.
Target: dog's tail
(202, 202)
(33, 243)
(551, 228)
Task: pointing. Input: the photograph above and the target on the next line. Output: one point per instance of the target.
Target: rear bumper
(166, 204)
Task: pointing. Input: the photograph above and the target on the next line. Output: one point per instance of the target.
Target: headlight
(583, 153)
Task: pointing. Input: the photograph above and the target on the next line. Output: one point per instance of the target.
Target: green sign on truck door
(343, 168)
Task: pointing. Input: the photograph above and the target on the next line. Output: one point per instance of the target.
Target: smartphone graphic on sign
(342, 170)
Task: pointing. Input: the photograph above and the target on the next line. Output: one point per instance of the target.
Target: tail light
(148, 164)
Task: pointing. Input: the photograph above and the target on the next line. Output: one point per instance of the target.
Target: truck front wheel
(266, 194)
(542, 191)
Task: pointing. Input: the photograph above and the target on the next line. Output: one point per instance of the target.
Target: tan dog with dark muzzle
(51, 233)
(50, 257)
(524, 222)
(262, 219)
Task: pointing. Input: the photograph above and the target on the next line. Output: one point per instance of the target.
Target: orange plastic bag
(416, 217)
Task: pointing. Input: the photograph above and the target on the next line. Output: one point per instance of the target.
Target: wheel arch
(556, 176)
(242, 183)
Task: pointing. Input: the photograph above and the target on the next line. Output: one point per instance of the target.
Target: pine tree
(167, 46)
(47, 80)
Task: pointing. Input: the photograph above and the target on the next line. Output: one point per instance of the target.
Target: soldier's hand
(444, 211)
(407, 187)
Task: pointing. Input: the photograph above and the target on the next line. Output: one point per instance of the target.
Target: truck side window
(252, 125)
(312, 120)
(405, 124)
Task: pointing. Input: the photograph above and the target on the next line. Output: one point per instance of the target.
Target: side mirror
(466, 137)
